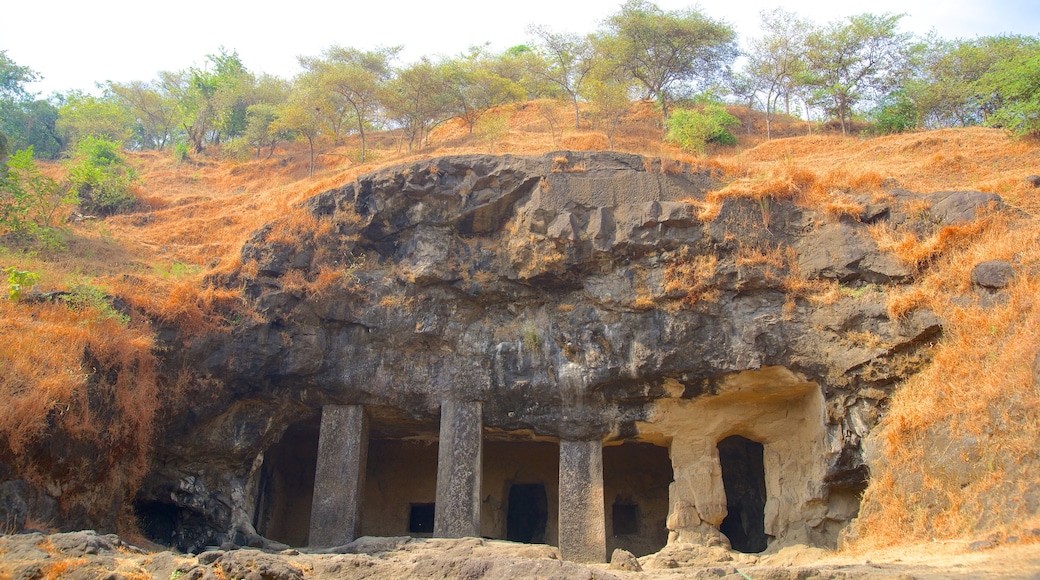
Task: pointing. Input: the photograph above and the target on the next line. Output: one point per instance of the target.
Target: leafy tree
(32, 123)
(1016, 83)
(307, 113)
(473, 86)
(565, 60)
(153, 109)
(83, 115)
(357, 77)
(858, 59)
(777, 59)
(25, 120)
(611, 98)
(100, 176)
(212, 101)
(417, 99)
(946, 86)
(670, 51)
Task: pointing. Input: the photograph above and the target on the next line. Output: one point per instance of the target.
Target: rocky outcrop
(578, 296)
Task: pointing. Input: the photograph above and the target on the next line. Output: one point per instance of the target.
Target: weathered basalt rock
(578, 297)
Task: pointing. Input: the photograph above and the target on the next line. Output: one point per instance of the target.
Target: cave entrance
(400, 487)
(527, 514)
(636, 478)
(283, 512)
(744, 479)
(520, 484)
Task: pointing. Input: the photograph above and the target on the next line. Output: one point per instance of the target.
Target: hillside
(95, 382)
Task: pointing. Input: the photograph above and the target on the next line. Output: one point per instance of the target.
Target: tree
(473, 86)
(777, 59)
(357, 77)
(669, 51)
(307, 112)
(84, 115)
(1016, 84)
(153, 108)
(946, 86)
(565, 60)
(858, 59)
(416, 98)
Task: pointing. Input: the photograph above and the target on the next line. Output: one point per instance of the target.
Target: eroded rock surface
(578, 296)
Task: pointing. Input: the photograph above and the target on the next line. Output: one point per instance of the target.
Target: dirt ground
(90, 555)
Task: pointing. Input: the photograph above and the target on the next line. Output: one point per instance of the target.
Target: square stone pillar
(459, 457)
(339, 480)
(583, 533)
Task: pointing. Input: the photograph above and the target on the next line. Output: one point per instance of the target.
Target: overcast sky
(75, 44)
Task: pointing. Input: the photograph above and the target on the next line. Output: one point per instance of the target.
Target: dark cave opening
(527, 514)
(283, 511)
(744, 479)
(636, 478)
(172, 525)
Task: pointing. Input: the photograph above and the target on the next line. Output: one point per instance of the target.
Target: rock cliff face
(576, 297)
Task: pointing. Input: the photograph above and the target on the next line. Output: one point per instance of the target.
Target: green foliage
(851, 59)
(31, 204)
(101, 178)
(693, 129)
(181, 151)
(83, 115)
(668, 51)
(18, 281)
(88, 297)
(1016, 84)
(895, 114)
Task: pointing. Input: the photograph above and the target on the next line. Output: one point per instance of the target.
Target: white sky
(74, 43)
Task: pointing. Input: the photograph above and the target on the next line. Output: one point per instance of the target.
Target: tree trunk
(577, 115)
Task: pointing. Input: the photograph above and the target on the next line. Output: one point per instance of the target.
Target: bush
(693, 129)
(101, 178)
(31, 204)
(895, 114)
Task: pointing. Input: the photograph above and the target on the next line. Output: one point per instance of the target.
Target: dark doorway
(287, 485)
(527, 514)
(744, 478)
(420, 518)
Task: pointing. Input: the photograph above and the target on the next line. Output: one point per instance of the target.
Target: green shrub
(32, 205)
(101, 178)
(18, 281)
(693, 129)
(180, 151)
(895, 114)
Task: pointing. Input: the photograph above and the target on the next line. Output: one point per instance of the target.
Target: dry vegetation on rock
(955, 455)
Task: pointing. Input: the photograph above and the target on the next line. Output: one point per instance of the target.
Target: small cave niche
(421, 518)
(286, 490)
(636, 477)
(171, 525)
(527, 513)
(744, 479)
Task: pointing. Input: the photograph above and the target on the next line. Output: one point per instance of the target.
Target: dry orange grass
(83, 375)
(958, 444)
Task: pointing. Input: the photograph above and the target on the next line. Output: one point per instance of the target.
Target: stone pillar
(339, 480)
(583, 533)
(459, 457)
